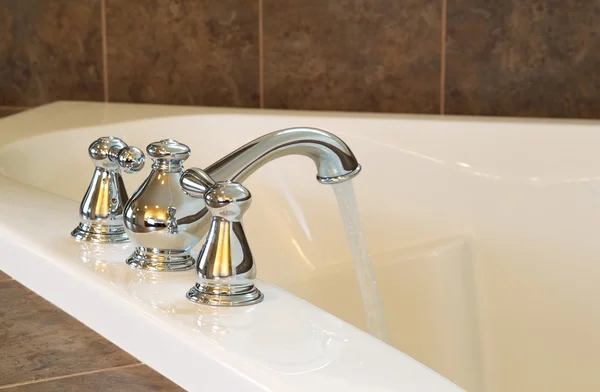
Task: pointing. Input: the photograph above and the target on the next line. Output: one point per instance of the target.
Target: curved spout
(334, 160)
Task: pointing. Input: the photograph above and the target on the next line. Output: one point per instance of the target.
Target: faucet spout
(334, 160)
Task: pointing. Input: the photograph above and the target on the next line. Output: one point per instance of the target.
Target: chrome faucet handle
(225, 271)
(196, 182)
(101, 209)
(130, 159)
(112, 153)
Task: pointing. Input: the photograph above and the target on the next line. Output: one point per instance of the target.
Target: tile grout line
(261, 76)
(18, 384)
(443, 58)
(104, 49)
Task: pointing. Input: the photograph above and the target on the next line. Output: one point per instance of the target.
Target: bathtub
(483, 234)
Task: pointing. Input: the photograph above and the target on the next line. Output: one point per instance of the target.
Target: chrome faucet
(166, 221)
(101, 209)
(225, 271)
(334, 160)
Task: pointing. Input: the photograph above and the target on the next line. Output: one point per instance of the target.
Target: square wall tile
(50, 50)
(358, 55)
(523, 58)
(188, 52)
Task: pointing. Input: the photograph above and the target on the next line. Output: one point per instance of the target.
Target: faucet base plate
(99, 234)
(205, 295)
(160, 260)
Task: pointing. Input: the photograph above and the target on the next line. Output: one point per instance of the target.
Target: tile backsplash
(359, 55)
(523, 58)
(50, 50)
(531, 58)
(188, 52)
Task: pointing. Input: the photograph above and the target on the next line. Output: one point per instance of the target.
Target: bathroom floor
(45, 349)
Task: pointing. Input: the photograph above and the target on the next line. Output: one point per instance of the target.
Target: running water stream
(363, 267)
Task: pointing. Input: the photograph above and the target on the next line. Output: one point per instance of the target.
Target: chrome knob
(196, 182)
(130, 159)
(168, 154)
(100, 149)
(225, 270)
(228, 200)
(113, 153)
(101, 209)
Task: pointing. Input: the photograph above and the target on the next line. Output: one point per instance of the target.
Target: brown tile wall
(483, 57)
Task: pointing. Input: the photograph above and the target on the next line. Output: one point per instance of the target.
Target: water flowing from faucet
(361, 258)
